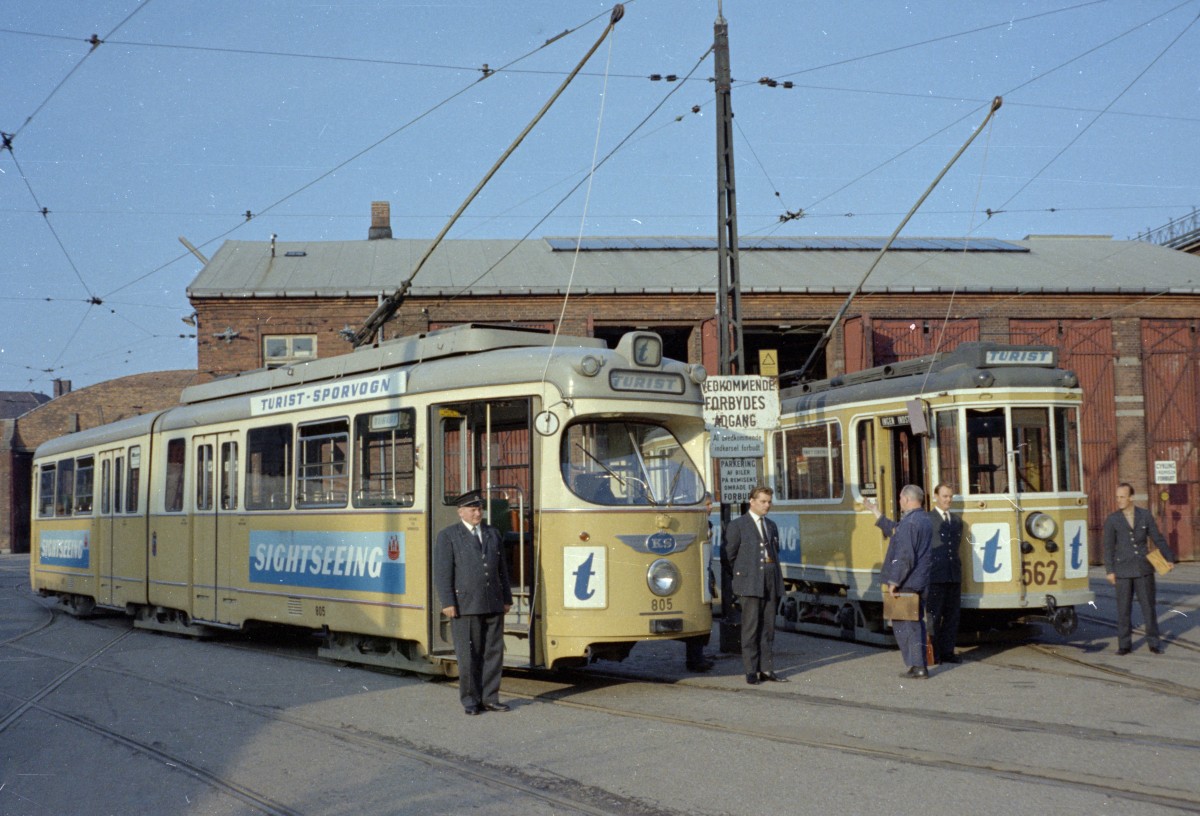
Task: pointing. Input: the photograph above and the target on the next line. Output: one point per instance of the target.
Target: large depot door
(486, 445)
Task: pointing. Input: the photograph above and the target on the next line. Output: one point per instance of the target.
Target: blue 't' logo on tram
(1076, 550)
(991, 554)
(583, 577)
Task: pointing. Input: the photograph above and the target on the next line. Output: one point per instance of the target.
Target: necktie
(478, 537)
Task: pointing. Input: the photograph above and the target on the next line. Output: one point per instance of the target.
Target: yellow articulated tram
(310, 496)
(998, 423)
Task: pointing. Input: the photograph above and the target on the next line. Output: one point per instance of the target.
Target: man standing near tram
(944, 598)
(906, 569)
(1129, 533)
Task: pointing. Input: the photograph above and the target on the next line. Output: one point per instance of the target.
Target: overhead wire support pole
(837, 319)
(731, 359)
(729, 290)
(387, 309)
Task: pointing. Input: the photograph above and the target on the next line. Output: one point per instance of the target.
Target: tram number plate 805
(1040, 573)
(661, 605)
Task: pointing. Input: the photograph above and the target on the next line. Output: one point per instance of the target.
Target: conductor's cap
(472, 499)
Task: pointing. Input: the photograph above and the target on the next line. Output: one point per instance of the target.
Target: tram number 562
(1040, 573)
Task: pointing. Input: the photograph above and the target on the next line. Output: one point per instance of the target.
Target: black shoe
(952, 659)
(1156, 649)
(703, 666)
(495, 707)
(772, 677)
(752, 678)
(472, 711)
(916, 674)
(1122, 652)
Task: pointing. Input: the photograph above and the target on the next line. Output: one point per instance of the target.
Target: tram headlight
(1039, 525)
(697, 373)
(662, 578)
(589, 365)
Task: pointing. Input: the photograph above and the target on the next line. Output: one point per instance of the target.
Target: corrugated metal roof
(363, 268)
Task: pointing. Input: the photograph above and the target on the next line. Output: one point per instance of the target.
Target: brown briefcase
(1160, 563)
(906, 606)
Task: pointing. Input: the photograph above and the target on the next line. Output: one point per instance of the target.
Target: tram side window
(1031, 441)
(809, 460)
(85, 474)
(987, 445)
(119, 484)
(204, 477)
(384, 461)
(176, 459)
(946, 423)
(47, 485)
(65, 501)
(865, 448)
(133, 479)
(1066, 435)
(105, 487)
(269, 468)
(229, 475)
(322, 476)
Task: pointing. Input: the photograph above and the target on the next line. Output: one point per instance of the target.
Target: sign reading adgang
(741, 402)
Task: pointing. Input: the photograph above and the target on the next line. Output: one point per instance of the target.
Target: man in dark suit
(751, 545)
(944, 597)
(472, 583)
(906, 569)
(1126, 536)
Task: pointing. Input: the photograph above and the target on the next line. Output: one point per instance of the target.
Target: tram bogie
(310, 497)
(999, 423)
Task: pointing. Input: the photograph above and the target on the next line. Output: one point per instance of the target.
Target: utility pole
(729, 292)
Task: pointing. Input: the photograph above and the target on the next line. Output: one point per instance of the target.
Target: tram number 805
(661, 605)
(1040, 573)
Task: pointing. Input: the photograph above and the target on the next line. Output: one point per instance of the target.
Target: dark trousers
(758, 631)
(479, 646)
(942, 601)
(910, 637)
(1143, 587)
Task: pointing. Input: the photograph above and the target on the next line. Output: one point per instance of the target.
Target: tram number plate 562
(661, 605)
(1040, 573)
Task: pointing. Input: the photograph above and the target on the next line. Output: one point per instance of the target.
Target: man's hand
(1112, 578)
(450, 611)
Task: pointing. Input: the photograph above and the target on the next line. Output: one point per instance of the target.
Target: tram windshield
(628, 463)
(1016, 449)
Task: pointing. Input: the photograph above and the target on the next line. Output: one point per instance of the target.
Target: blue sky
(189, 114)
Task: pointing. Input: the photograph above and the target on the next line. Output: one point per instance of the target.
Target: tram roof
(978, 365)
(681, 265)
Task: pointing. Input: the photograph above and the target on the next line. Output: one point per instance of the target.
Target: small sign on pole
(738, 478)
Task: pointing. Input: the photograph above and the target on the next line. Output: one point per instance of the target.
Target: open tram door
(906, 461)
(486, 445)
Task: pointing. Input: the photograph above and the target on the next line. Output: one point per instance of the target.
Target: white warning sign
(741, 402)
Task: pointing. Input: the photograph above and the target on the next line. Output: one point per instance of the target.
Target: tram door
(104, 539)
(907, 461)
(213, 524)
(486, 445)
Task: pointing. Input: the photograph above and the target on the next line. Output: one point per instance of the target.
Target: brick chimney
(62, 387)
(381, 220)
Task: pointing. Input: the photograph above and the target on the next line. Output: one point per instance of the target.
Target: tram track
(563, 796)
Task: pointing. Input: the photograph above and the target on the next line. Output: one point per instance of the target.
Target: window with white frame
(285, 349)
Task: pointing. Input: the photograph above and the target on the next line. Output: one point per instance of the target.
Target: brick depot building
(1124, 315)
(68, 412)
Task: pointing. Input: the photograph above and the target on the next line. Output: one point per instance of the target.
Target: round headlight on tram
(589, 365)
(662, 578)
(1039, 525)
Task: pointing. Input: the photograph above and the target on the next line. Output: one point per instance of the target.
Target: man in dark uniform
(752, 546)
(1125, 547)
(944, 597)
(906, 569)
(472, 583)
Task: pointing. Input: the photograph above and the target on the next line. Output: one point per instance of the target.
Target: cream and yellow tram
(998, 423)
(310, 496)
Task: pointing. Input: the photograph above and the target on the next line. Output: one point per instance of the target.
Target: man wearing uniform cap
(471, 576)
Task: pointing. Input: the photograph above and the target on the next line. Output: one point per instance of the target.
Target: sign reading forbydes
(741, 402)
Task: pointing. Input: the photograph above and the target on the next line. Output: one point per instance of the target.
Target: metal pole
(729, 295)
